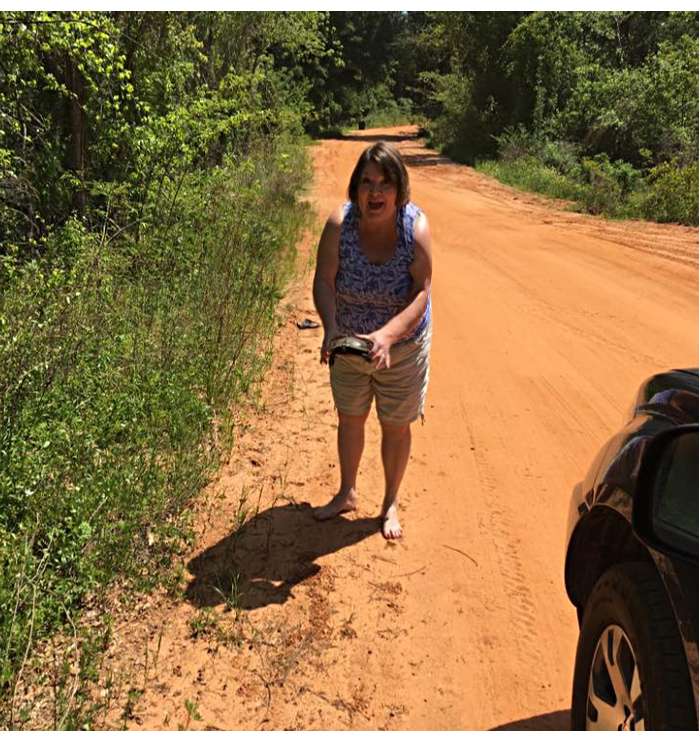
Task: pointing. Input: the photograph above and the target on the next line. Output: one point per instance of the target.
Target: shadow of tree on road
(556, 721)
(377, 138)
(428, 161)
(270, 554)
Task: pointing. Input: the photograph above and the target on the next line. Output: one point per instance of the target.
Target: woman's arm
(327, 264)
(408, 319)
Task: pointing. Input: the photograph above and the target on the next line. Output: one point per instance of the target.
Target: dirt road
(545, 324)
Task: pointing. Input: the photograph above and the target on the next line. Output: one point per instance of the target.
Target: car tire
(629, 609)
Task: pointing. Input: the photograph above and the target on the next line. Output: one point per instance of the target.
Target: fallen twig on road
(463, 553)
(411, 573)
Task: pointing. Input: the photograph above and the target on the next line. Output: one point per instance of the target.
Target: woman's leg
(395, 452)
(350, 445)
(400, 396)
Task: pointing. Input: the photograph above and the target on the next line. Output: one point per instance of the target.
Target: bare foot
(391, 527)
(341, 503)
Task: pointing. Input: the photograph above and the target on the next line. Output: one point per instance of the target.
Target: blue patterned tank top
(369, 295)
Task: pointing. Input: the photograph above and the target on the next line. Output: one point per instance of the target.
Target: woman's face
(375, 194)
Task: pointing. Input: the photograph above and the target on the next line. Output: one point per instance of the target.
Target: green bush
(517, 142)
(553, 167)
(120, 363)
(391, 113)
(607, 185)
(150, 168)
(673, 194)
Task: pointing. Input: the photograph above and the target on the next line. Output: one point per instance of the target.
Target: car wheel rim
(614, 697)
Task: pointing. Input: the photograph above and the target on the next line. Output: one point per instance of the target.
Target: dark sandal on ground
(307, 324)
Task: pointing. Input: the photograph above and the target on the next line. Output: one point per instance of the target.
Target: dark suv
(632, 568)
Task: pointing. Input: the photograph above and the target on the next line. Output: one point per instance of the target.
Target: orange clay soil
(546, 321)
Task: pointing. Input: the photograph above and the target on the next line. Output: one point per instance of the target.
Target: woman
(372, 280)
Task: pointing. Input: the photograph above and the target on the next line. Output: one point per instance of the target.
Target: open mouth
(375, 205)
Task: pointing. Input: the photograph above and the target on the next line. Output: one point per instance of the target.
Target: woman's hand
(381, 348)
(328, 337)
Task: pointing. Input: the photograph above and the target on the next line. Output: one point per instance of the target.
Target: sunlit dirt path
(545, 324)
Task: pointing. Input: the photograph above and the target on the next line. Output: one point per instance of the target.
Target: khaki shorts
(399, 390)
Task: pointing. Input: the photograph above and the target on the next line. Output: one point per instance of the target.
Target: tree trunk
(76, 122)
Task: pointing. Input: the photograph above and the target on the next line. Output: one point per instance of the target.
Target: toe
(392, 532)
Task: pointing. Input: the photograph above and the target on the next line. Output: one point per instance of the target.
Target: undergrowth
(123, 355)
(668, 192)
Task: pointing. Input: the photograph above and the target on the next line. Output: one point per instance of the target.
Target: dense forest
(152, 167)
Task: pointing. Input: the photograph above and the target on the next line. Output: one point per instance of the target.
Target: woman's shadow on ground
(272, 552)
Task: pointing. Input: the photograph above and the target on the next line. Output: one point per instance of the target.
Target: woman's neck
(384, 227)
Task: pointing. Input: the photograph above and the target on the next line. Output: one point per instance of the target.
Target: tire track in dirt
(508, 555)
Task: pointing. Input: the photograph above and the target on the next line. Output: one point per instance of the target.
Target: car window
(677, 492)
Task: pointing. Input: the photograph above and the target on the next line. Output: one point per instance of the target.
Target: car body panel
(663, 402)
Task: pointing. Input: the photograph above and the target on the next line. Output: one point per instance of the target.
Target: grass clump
(530, 175)
(673, 194)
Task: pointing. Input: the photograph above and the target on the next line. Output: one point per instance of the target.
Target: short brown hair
(387, 157)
